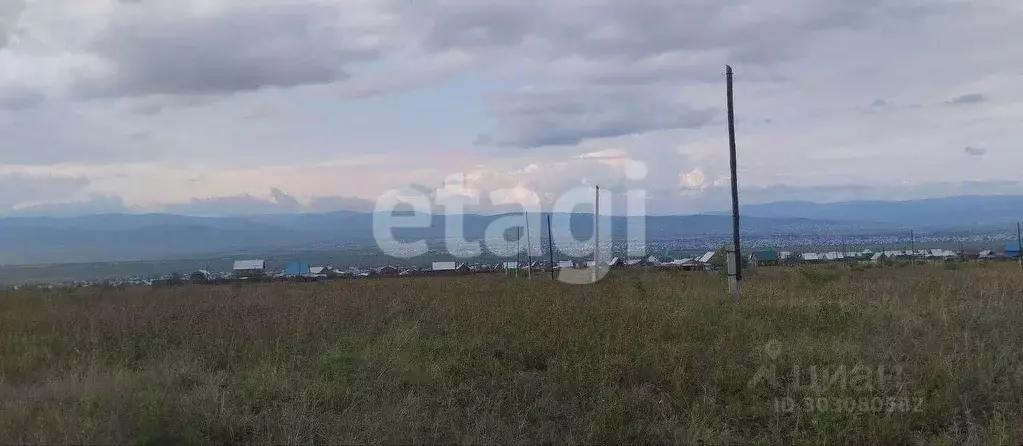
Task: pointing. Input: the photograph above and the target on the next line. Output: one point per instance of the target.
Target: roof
(318, 270)
(444, 266)
(249, 264)
(811, 256)
(566, 264)
(296, 269)
(767, 255)
(706, 257)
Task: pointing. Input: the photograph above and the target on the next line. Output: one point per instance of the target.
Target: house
(878, 257)
(319, 270)
(387, 271)
(683, 264)
(296, 269)
(764, 258)
(812, 257)
(202, 276)
(615, 262)
(653, 261)
(566, 264)
(833, 256)
(707, 257)
(941, 254)
(249, 268)
(463, 268)
(635, 263)
(1012, 250)
(988, 254)
(444, 266)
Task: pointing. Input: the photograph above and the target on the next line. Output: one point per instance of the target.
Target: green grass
(639, 357)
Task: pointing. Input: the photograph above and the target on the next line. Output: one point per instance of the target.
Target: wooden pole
(1019, 246)
(596, 232)
(737, 252)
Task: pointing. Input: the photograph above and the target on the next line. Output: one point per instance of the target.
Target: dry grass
(643, 357)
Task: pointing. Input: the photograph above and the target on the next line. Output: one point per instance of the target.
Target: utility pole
(1019, 246)
(596, 233)
(550, 244)
(912, 243)
(529, 249)
(518, 248)
(736, 251)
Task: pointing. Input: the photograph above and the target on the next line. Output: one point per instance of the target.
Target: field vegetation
(917, 354)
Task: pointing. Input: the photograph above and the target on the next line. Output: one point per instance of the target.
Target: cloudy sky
(243, 106)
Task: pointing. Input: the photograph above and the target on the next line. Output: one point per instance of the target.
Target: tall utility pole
(735, 183)
(529, 249)
(596, 232)
(1019, 246)
(550, 244)
(912, 243)
(518, 248)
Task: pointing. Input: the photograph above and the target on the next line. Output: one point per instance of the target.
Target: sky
(223, 107)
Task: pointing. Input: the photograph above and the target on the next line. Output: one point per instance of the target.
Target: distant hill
(963, 211)
(123, 237)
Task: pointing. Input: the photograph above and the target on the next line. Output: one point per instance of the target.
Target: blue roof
(296, 269)
(1012, 247)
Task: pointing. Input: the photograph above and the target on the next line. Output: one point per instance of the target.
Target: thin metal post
(529, 249)
(550, 244)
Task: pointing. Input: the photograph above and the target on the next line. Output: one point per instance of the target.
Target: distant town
(257, 270)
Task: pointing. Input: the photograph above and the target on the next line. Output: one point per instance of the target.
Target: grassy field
(920, 354)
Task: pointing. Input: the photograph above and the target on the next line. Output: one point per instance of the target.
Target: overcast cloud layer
(253, 106)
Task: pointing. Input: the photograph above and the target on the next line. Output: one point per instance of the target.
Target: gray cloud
(19, 98)
(623, 32)
(10, 12)
(280, 202)
(244, 204)
(879, 103)
(338, 203)
(971, 98)
(162, 48)
(284, 200)
(95, 204)
(975, 151)
(568, 116)
(20, 189)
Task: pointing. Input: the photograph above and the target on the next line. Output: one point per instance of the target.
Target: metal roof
(444, 266)
(706, 257)
(249, 264)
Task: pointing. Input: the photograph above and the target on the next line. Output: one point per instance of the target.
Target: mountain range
(126, 237)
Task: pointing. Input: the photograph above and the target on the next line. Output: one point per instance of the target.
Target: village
(257, 270)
